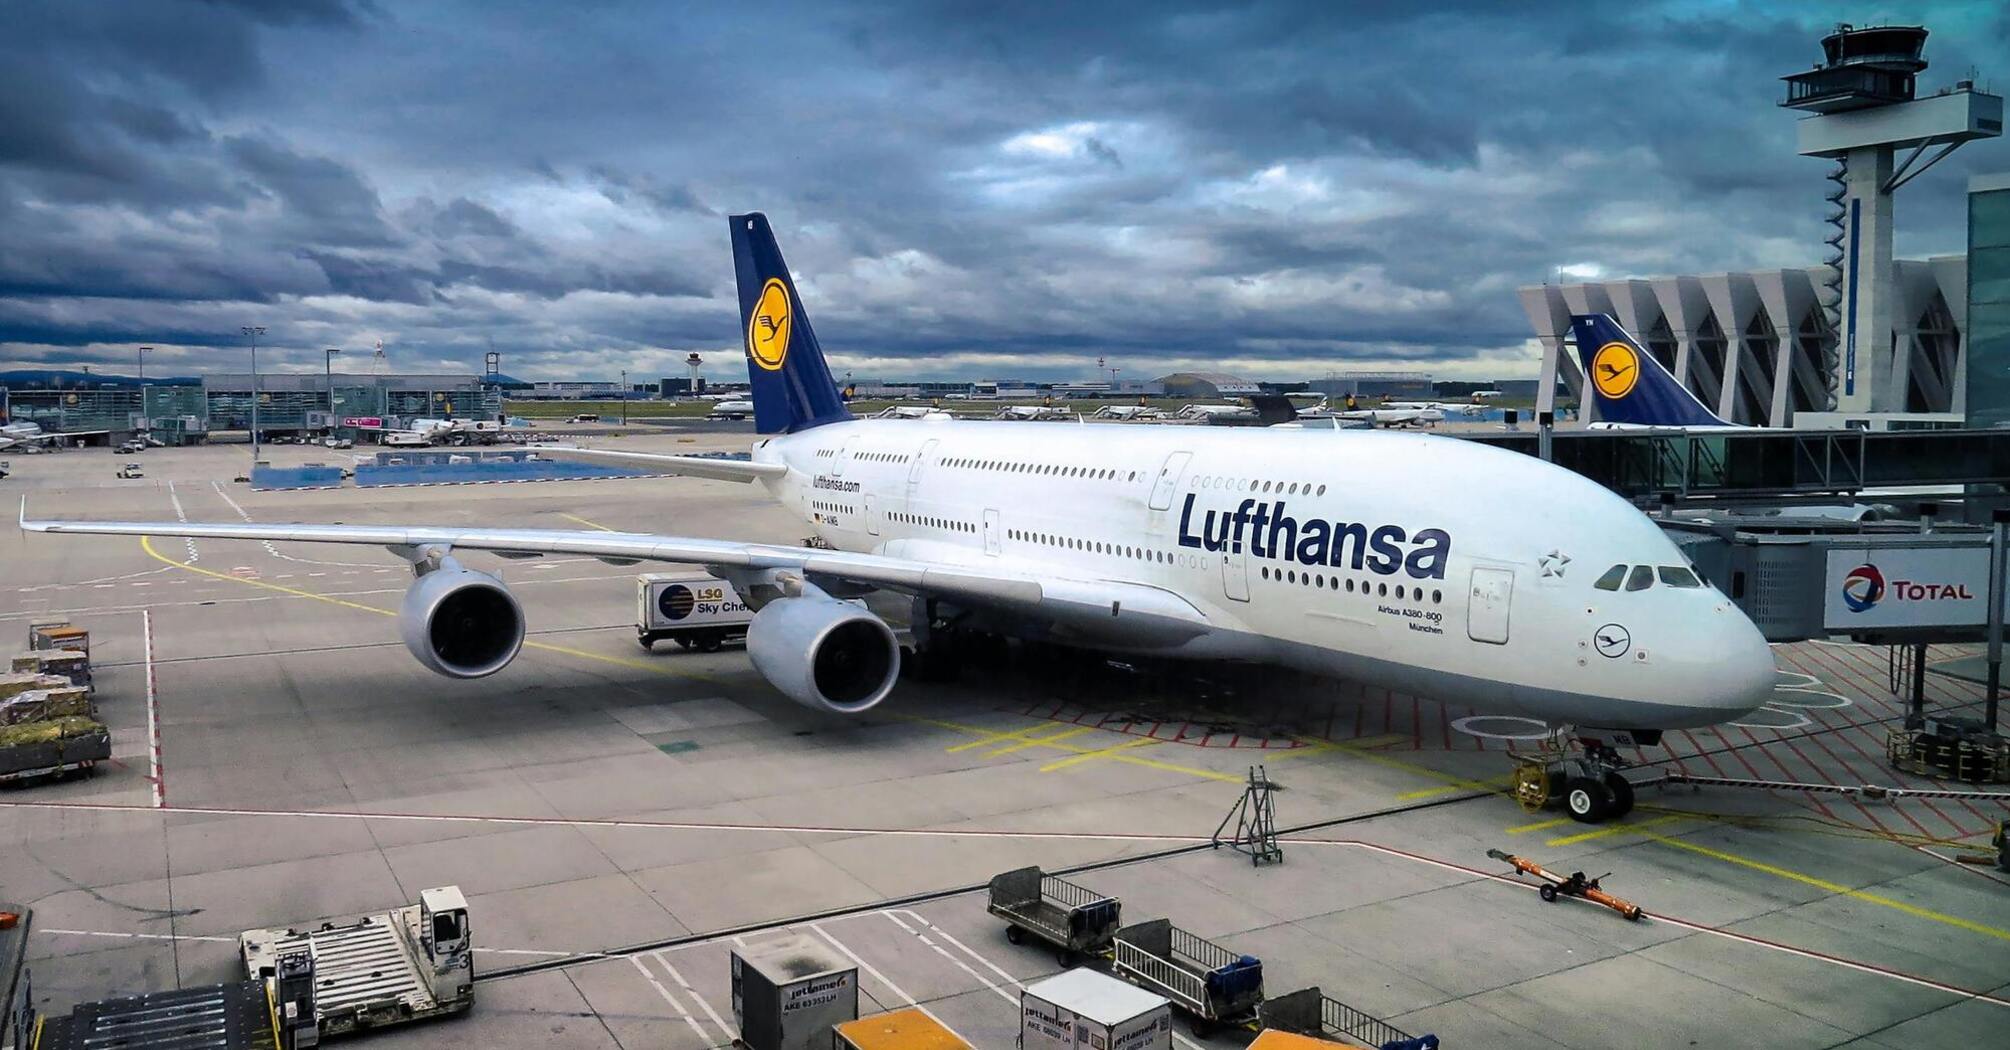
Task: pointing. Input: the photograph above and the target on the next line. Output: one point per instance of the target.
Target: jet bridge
(1900, 585)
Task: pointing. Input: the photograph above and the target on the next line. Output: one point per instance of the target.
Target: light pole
(143, 360)
(252, 332)
(624, 397)
(328, 377)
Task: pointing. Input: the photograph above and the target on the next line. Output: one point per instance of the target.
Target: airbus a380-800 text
(1426, 564)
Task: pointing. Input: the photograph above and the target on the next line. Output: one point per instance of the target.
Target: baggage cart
(1074, 919)
(910, 1029)
(63, 746)
(1082, 1009)
(695, 609)
(1213, 985)
(1309, 1012)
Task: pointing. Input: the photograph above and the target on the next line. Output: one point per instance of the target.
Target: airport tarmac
(618, 817)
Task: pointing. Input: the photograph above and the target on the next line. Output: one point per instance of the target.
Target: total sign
(1925, 587)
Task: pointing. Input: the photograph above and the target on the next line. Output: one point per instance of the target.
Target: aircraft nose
(1745, 670)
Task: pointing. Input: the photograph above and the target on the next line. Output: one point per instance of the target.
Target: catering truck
(697, 610)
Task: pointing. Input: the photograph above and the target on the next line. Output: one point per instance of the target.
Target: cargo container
(789, 992)
(699, 611)
(1083, 1008)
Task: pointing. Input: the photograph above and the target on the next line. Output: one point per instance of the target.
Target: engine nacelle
(461, 623)
(824, 654)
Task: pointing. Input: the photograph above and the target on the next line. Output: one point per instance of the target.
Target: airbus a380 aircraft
(1426, 564)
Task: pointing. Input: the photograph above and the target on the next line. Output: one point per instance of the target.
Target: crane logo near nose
(1611, 641)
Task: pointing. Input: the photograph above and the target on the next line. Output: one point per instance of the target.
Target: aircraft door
(1169, 475)
(1235, 573)
(871, 515)
(843, 457)
(990, 532)
(1487, 606)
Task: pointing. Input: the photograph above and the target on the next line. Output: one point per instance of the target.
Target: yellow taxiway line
(146, 544)
(1119, 754)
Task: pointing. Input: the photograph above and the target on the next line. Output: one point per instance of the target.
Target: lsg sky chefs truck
(697, 610)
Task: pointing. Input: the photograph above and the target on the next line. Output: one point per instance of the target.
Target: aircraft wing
(692, 466)
(1083, 602)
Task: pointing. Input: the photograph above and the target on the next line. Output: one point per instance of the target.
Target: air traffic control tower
(1861, 111)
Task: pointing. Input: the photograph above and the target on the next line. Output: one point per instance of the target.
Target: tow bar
(1554, 885)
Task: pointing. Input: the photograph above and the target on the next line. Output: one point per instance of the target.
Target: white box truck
(698, 610)
(1081, 1008)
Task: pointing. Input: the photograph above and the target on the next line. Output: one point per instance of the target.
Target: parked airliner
(1629, 387)
(1425, 564)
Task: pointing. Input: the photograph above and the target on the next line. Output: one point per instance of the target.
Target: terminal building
(185, 410)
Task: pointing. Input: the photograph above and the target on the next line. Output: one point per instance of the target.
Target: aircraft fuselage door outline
(1168, 481)
(843, 458)
(1488, 603)
(1234, 572)
(871, 515)
(991, 532)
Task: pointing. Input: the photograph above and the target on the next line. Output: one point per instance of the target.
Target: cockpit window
(1679, 576)
(1641, 579)
(1610, 581)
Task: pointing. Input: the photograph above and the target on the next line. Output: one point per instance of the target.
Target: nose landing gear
(1586, 782)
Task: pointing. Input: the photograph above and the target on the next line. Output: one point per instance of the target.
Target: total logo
(1865, 586)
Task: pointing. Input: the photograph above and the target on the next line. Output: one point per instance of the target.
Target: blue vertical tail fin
(792, 384)
(1627, 384)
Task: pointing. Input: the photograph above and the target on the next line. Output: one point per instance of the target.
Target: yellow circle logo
(1614, 370)
(768, 330)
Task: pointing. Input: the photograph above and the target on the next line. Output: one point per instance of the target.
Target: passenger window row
(1335, 583)
(1091, 546)
(883, 457)
(1641, 577)
(1279, 488)
(1053, 469)
(946, 524)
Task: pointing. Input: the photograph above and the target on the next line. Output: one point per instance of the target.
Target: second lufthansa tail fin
(792, 384)
(1627, 384)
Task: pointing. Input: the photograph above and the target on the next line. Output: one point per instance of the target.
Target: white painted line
(967, 950)
(882, 978)
(693, 993)
(153, 715)
(959, 964)
(135, 936)
(671, 999)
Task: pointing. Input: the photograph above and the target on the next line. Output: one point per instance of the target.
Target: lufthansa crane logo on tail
(769, 328)
(1614, 370)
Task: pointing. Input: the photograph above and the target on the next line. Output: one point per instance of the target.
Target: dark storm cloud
(1292, 186)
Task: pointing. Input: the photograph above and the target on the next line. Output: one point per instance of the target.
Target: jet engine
(824, 654)
(461, 623)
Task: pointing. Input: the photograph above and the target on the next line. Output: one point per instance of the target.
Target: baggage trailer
(405, 965)
(1309, 1012)
(79, 753)
(695, 609)
(1213, 985)
(1074, 919)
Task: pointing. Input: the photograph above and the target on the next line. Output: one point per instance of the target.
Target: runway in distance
(1440, 567)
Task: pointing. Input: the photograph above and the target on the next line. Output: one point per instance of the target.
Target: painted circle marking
(1479, 725)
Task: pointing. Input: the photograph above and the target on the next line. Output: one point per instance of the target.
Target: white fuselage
(1433, 565)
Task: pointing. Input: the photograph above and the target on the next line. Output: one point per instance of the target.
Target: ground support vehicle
(696, 610)
(1074, 919)
(1213, 985)
(410, 964)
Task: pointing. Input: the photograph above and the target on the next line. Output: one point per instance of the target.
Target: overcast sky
(1272, 189)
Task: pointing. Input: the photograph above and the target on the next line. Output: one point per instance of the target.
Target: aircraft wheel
(1622, 794)
(647, 643)
(1547, 892)
(1587, 800)
(683, 643)
(711, 643)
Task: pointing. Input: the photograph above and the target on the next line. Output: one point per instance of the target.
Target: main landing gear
(1582, 776)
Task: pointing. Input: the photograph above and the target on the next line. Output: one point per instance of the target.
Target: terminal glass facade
(1989, 301)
